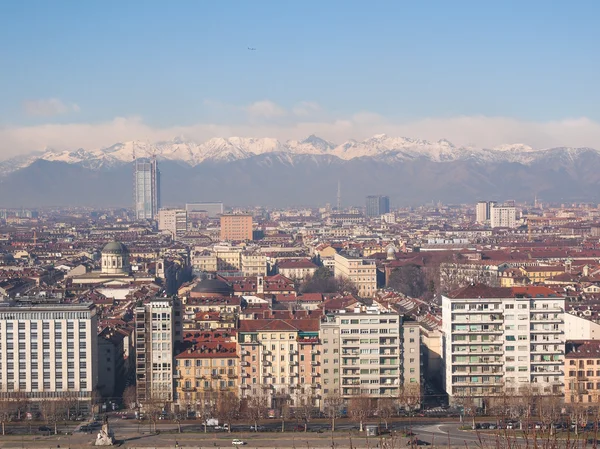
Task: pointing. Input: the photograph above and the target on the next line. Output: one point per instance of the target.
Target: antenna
(339, 196)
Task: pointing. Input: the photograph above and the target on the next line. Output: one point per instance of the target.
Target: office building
(236, 227)
(377, 205)
(49, 350)
(369, 351)
(146, 189)
(173, 221)
(212, 209)
(496, 340)
(361, 272)
(156, 330)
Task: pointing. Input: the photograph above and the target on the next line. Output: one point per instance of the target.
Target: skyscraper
(377, 205)
(146, 189)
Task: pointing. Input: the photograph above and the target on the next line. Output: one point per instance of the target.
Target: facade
(155, 325)
(49, 350)
(369, 352)
(377, 205)
(296, 269)
(115, 259)
(236, 227)
(362, 272)
(204, 371)
(281, 359)
(146, 189)
(173, 220)
(253, 264)
(497, 340)
(582, 372)
(212, 209)
(503, 216)
(482, 212)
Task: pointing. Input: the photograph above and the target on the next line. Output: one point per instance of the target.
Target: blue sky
(148, 69)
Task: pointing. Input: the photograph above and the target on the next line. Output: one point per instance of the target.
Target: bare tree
(285, 411)
(385, 409)
(333, 404)
(410, 397)
(129, 396)
(359, 407)
(6, 406)
(153, 407)
(70, 402)
(53, 411)
(228, 407)
(205, 406)
(256, 408)
(305, 408)
(21, 403)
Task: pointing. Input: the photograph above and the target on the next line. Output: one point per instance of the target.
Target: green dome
(114, 248)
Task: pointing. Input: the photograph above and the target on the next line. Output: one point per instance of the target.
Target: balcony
(266, 386)
(315, 374)
(244, 352)
(244, 386)
(315, 351)
(316, 385)
(245, 363)
(314, 363)
(267, 363)
(232, 375)
(266, 352)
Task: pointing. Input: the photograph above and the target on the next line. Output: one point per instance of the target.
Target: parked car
(44, 429)
(237, 442)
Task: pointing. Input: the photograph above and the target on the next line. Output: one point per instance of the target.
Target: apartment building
(236, 227)
(253, 264)
(296, 269)
(498, 339)
(230, 259)
(204, 371)
(282, 359)
(503, 216)
(362, 273)
(48, 350)
(369, 351)
(173, 221)
(156, 328)
(582, 372)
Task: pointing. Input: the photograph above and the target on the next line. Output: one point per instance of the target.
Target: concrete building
(146, 189)
(155, 335)
(497, 340)
(236, 227)
(377, 205)
(362, 272)
(173, 221)
(369, 351)
(582, 372)
(503, 216)
(49, 350)
(482, 212)
(212, 209)
(253, 264)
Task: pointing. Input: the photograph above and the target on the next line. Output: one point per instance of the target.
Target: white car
(238, 442)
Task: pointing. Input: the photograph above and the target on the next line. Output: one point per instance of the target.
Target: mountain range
(266, 171)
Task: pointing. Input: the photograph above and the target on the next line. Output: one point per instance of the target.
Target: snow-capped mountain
(222, 150)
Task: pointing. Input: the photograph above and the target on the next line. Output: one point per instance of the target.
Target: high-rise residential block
(146, 189)
(503, 216)
(377, 205)
(173, 221)
(49, 351)
(236, 227)
(500, 340)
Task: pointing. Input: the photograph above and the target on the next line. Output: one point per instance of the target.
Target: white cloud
(265, 109)
(306, 108)
(48, 107)
(267, 119)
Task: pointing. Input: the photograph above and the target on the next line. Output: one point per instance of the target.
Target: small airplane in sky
(251, 49)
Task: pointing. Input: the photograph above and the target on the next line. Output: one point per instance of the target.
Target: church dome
(209, 287)
(114, 248)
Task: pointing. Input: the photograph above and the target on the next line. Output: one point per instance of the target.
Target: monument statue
(106, 436)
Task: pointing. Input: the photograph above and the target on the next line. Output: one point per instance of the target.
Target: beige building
(582, 372)
(296, 269)
(49, 350)
(231, 259)
(369, 351)
(236, 227)
(173, 221)
(253, 264)
(362, 272)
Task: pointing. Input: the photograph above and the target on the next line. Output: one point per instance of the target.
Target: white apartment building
(482, 212)
(503, 216)
(498, 339)
(155, 325)
(173, 221)
(362, 272)
(48, 350)
(369, 352)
